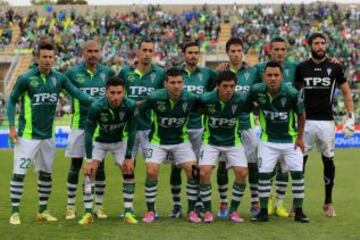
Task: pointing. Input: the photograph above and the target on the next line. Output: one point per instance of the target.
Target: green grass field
(344, 226)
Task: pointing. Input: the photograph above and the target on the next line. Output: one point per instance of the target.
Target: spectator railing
(10, 75)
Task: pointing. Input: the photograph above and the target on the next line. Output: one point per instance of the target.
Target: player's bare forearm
(349, 105)
(301, 125)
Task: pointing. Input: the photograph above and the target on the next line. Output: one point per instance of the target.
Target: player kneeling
(112, 122)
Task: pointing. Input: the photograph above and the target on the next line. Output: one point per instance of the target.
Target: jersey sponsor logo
(136, 91)
(216, 122)
(243, 89)
(45, 98)
(111, 127)
(276, 116)
(94, 91)
(317, 82)
(194, 89)
(171, 122)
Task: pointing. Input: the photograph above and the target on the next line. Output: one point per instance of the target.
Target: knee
(241, 173)
(205, 174)
(152, 172)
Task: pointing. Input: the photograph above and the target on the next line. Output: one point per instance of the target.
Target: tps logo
(195, 89)
(171, 122)
(109, 128)
(242, 89)
(215, 122)
(276, 116)
(136, 91)
(45, 98)
(94, 91)
(317, 82)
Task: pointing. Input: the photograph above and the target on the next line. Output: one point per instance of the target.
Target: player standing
(90, 77)
(319, 76)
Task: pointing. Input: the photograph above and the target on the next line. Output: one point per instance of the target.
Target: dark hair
(316, 35)
(272, 64)
(45, 43)
(278, 39)
(226, 76)
(144, 40)
(233, 41)
(173, 72)
(115, 81)
(186, 45)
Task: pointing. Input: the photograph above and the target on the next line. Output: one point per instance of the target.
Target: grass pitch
(344, 226)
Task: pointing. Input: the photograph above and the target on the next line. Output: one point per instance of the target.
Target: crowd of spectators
(120, 32)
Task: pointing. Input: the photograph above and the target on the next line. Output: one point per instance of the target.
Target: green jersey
(288, 72)
(245, 78)
(222, 121)
(139, 86)
(108, 125)
(39, 95)
(91, 83)
(201, 80)
(169, 122)
(277, 115)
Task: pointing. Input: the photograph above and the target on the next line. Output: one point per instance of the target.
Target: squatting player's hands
(299, 143)
(90, 167)
(334, 60)
(128, 166)
(13, 135)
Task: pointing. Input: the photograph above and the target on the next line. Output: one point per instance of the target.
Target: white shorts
(27, 151)
(117, 149)
(181, 153)
(76, 144)
(323, 134)
(250, 143)
(270, 153)
(141, 142)
(235, 156)
(195, 137)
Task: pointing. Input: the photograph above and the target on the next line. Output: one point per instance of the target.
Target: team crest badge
(200, 77)
(328, 71)
(246, 75)
(262, 100)
(53, 80)
(102, 77)
(152, 77)
(184, 106)
(131, 78)
(121, 116)
(233, 108)
(80, 78)
(286, 72)
(283, 102)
